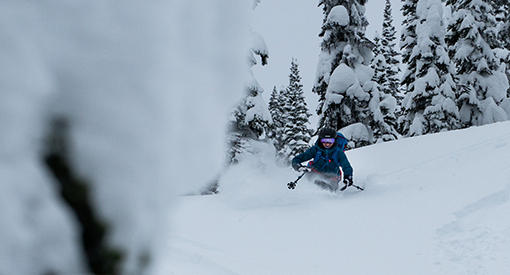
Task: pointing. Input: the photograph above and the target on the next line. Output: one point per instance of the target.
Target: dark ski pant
(328, 182)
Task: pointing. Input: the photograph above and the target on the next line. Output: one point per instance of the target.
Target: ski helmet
(327, 133)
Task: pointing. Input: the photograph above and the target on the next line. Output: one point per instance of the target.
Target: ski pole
(292, 184)
(359, 188)
(353, 185)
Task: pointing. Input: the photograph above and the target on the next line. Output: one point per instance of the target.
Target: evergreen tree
(472, 36)
(383, 110)
(276, 104)
(383, 105)
(392, 83)
(274, 110)
(385, 95)
(251, 119)
(505, 27)
(295, 117)
(343, 65)
(378, 63)
(408, 41)
(502, 13)
(429, 107)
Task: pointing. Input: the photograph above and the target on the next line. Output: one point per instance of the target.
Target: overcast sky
(290, 29)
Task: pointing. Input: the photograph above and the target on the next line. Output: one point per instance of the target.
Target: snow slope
(435, 204)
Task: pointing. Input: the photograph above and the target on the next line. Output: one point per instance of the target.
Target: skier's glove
(296, 166)
(348, 180)
(305, 169)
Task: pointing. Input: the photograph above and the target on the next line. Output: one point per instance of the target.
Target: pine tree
(378, 63)
(383, 105)
(392, 83)
(385, 95)
(295, 132)
(276, 110)
(408, 41)
(505, 27)
(472, 36)
(502, 13)
(429, 106)
(343, 65)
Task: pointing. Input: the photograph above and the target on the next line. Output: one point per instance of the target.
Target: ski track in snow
(474, 242)
(470, 245)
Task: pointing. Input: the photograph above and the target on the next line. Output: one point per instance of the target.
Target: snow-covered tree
(383, 111)
(378, 63)
(391, 56)
(505, 28)
(385, 93)
(382, 105)
(408, 41)
(274, 108)
(295, 117)
(472, 36)
(276, 103)
(251, 120)
(343, 67)
(503, 56)
(502, 13)
(429, 104)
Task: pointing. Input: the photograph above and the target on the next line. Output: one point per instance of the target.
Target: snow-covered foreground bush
(145, 105)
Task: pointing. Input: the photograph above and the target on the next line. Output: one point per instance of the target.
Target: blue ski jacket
(323, 159)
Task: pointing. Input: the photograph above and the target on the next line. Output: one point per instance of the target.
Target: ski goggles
(328, 140)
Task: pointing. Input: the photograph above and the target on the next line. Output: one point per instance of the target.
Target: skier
(328, 155)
